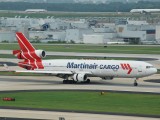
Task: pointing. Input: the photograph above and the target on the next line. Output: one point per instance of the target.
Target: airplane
(145, 11)
(76, 70)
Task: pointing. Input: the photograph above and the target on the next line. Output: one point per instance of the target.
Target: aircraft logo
(127, 67)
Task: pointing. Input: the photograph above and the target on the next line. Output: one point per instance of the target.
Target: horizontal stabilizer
(15, 52)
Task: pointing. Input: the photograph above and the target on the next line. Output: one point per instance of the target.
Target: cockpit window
(149, 67)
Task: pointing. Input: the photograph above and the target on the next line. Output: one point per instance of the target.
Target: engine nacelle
(80, 77)
(37, 54)
(40, 53)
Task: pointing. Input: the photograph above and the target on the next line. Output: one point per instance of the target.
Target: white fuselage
(102, 68)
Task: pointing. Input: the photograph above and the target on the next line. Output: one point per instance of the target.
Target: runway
(8, 83)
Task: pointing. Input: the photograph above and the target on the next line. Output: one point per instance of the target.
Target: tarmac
(18, 83)
(46, 115)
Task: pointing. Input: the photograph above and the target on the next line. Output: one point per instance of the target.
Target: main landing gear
(135, 82)
(74, 82)
(68, 81)
(88, 81)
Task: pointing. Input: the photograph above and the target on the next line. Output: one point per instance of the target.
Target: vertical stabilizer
(23, 42)
(31, 56)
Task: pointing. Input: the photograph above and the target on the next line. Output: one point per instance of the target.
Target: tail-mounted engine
(37, 54)
(40, 53)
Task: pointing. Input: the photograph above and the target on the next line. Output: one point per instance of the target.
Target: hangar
(35, 10)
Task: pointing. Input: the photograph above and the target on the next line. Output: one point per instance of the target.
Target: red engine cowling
(37, 54)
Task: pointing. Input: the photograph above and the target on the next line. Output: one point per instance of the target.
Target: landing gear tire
(68, 82)
(64, 81)
(135, 83)
(71, 81)
(88, 81)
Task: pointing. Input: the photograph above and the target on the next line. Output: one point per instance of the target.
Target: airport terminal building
(122, 31)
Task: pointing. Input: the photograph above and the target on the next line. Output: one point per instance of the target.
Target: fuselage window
(149, 67)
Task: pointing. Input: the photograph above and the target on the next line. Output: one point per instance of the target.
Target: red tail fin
(31, 56)
(24, 44)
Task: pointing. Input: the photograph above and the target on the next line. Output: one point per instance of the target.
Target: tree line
(74, 7)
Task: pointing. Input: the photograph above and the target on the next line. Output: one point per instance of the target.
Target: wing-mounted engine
(37, 54)
(80, 77)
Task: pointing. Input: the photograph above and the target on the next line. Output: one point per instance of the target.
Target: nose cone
(154, 70)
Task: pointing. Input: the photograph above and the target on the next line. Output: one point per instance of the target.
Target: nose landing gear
(135, 82)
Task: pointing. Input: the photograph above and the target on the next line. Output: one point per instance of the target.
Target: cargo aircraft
(74, 70)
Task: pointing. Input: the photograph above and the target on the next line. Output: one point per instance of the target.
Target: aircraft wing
(54, 72)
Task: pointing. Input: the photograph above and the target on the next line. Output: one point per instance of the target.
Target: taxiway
(9, 83)
(18, 83)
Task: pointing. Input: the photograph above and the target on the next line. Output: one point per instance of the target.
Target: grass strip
(74, 57)
(90, 48)
(70, 14)
(141, 104)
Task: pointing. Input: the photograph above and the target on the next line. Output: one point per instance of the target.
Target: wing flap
(54, 72)
(46, 72)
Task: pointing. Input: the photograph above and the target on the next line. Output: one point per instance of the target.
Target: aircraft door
(139, 70)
